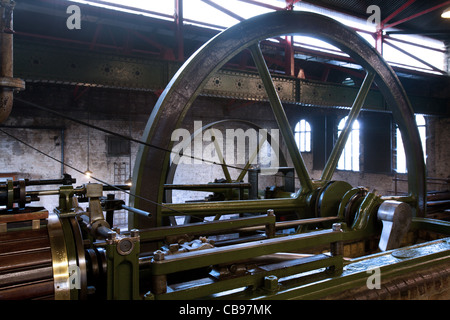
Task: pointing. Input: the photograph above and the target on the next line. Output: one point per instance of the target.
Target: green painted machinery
(312, 239)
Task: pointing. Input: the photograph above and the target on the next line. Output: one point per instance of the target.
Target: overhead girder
(37, 63)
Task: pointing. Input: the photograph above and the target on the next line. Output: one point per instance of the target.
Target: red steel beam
(96, 34)
(396, 12)
(379, 41)
(289, 47)
(446, 3)
(289, 56)
(291, 4)
(379, 37)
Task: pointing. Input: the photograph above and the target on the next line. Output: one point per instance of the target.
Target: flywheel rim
(152, 164)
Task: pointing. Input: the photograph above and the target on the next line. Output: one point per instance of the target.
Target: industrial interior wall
(127, 112)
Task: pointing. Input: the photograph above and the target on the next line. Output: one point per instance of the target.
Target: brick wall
(114, 109)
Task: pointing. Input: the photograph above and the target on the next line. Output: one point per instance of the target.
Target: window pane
(308, 141)
(420, 120)
(341, 163)
(393, 56)
(401, 158)
(355, 148)
(422, 134)
(302, 134)
(349, 159)
(201, 12)
(342, 124)
(302, 125)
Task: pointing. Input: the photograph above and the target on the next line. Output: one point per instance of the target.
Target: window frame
(303, 134)
(400, 149)
(355, 160)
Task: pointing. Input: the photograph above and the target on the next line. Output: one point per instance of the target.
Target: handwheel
(153, 164)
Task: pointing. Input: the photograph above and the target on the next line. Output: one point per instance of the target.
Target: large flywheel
(153, 165)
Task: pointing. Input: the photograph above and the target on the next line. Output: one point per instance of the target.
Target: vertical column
(7, 83)
(447, 57)
(289, 47)
(179, 29)
(379, 41)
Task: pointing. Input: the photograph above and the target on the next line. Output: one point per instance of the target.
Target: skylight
(220, 15)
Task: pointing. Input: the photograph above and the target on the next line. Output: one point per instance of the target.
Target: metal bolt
(237, 269)
(134, 233)
(90, 289)
(111, 236)
(271, 283)
(158, 255)
(270, 228)
(337, 248)
(149, 296)
(174, 247)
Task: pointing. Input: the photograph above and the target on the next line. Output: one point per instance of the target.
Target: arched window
(349, 159)
(303, 136)
(401, 157)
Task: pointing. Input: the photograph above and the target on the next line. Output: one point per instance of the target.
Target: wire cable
(94, 178)
(121, 135)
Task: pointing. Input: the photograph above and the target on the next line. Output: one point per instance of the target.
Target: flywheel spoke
(250, 159)
(281, 118)
(330, 167)
(221, 158)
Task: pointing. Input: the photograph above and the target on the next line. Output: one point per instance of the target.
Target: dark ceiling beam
(131, 8)
(264, 5)
(224, 10)
(446, 3)
(396, 12)
(414, 57)
(424, 32)
(387, 36)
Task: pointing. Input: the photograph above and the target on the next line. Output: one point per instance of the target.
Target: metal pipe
(179, 29)
(103, 231)
(43, 193)
(7, 83)
(207, 186)
(137, 211)
(6, 66)
(289, 224)
(62, 152)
